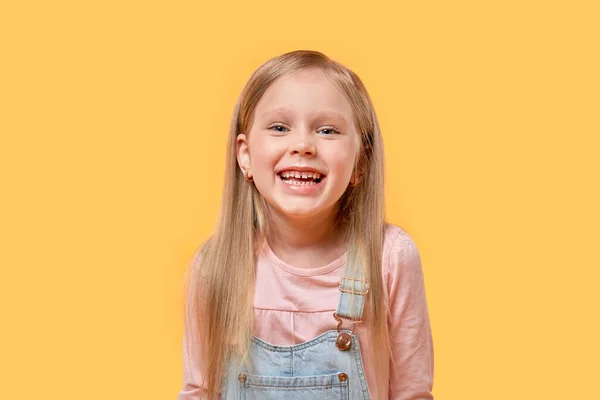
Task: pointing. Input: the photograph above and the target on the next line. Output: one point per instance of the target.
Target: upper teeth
(297, 174)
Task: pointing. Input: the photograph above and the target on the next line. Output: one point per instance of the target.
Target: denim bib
(327, 367)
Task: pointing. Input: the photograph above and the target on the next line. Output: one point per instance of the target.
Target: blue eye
(331, 130)
(278, 128)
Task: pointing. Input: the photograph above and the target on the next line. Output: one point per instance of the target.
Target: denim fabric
(350, 303)
(313, 370)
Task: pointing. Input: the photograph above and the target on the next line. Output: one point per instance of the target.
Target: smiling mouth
(301, 179)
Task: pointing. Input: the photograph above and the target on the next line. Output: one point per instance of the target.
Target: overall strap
(351, 299)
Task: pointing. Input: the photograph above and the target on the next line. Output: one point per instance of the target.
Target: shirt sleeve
(192, 373)
(193, 365)
(411, 378)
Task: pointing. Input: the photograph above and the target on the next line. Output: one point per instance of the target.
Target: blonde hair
(220, 281)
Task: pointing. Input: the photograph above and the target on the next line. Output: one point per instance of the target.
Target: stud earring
(248, 176)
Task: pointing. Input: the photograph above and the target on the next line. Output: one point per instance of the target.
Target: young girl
(303, 291)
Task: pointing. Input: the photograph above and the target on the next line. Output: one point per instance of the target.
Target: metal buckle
(344, 339)
(339, 320)
(354, 291)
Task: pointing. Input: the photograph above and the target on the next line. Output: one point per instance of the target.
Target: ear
(359, 168)
(357, 177)
(243, 152)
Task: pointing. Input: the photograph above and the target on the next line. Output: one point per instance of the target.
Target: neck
(313, 236)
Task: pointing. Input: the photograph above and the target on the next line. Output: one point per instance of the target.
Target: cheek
(264, 155)
(341, 161)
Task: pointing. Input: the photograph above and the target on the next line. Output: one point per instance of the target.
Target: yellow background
(113, 121)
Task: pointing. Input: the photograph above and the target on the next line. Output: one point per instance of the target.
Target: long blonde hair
(220, 280)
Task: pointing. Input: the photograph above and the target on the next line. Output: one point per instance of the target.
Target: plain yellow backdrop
(113, 121)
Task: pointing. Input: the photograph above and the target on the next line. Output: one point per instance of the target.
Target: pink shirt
(293, 305)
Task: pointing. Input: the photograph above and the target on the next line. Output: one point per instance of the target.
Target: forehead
(305, 93)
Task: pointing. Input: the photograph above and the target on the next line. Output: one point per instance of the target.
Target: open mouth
(301, 178)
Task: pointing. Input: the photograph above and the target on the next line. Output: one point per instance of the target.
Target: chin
(299, 212)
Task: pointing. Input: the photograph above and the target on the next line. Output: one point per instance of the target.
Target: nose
(302, 144)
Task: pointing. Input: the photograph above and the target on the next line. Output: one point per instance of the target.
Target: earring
(248, 176)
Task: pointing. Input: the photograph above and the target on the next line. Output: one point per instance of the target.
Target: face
(302, 145)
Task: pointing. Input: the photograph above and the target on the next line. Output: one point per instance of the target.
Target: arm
(411, 376)
(192, 372)
(192, 387)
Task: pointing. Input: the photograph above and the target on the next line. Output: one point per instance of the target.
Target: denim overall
(313, 370)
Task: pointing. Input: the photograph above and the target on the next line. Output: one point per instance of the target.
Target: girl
(303, 291)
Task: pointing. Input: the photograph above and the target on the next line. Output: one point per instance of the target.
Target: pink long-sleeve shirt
(293, 305)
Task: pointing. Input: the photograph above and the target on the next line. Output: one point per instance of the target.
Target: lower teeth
(294, 182)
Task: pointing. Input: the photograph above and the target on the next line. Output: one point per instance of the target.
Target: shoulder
(397, 240)
(400, 253)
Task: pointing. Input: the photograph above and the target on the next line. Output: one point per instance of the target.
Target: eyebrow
(283, 111)
(277, 111)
